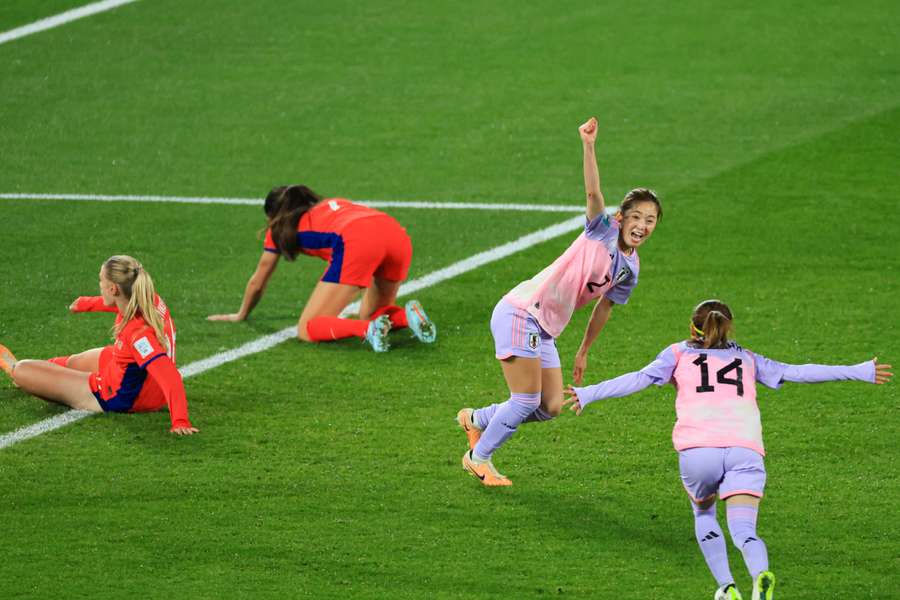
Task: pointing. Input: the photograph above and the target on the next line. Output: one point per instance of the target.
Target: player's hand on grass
(580, 366)
(184, 430)
(588, 131)
(572, 400)
(882, 372)
(233, 317)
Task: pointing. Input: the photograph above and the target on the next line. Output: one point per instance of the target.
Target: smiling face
(637, 224)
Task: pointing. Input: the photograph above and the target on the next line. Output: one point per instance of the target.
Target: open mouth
(637, 237)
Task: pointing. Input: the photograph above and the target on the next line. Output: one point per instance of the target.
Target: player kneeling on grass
(135, 374)
(601, 264)
(365, 249)
(718, 434)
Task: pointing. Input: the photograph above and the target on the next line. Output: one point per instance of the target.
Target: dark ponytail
(284, 206)
(711, 324)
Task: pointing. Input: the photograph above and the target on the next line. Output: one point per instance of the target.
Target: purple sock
(742, 525)
(482, 416)
(506, 419)
(712, 543)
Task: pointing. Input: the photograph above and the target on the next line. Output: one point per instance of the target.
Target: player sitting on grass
(602, 264)
(135, 374)
(718, 434)
(365, 249)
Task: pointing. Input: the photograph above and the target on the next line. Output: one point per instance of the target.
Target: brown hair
(136, 284)
(284, 206)
(711, 324)
(641, 195)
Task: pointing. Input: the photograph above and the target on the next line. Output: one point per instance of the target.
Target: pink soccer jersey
(591, 267)
(716, 400)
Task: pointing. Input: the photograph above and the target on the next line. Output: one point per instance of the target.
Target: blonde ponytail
(137, 285)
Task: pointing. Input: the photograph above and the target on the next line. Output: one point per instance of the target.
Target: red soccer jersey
(321, 227)
(137, 353)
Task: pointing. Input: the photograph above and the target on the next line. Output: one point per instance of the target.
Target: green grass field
(771, 133)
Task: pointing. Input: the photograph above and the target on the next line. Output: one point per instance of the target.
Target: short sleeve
(145, 347)
(621, 292)
(601, 228)
(769, 372)
(663, 366)
(269, 244)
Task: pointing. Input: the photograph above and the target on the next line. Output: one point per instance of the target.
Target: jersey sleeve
(769, 372)
(92, 304)
(269, 243)
(601, 228)
(145, 347)
(621, 292)
(172, 385)
(658, 372)
(623, 385)
(772, 373)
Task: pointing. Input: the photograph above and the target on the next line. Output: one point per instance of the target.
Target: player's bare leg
(55, 383)
(89, 360)
(381, 293)
(327, 300)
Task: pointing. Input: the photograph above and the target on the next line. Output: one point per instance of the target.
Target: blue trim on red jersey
(129, 390)
(160, 355)
(317, 240)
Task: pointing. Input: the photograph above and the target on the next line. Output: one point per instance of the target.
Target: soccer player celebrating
(602, 265)
(365, 249)
(718, 434)
(135, 374)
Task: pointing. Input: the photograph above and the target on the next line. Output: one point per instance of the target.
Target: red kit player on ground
(137, 373)
(366, 249)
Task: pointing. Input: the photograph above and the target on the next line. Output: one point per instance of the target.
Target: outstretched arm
(163, 370)
(871, 371)
(256, 286)
(599, 317)
(595, 203)
(91, 304)
(623, 385)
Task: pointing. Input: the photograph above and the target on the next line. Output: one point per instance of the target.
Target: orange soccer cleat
(485, 472)
(7, 360)
(473, 434)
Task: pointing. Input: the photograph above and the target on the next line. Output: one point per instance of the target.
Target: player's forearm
(252, 295)
(623, 385)
(92, 304)
(170, 382)
(599, 317)
(822, 373)
(595, 203)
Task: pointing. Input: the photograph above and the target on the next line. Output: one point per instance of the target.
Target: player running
(365, 249)
(135, 374)
(602, 265)
(718, 434)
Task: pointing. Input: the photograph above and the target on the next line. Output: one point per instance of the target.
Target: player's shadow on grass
(619, 522)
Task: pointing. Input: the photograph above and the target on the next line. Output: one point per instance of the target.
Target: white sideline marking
(61, 19)
(268, 341)
(567, 208)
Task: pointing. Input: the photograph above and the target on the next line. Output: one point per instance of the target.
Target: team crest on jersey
(623, 274)
(144, 347)
(533, 340)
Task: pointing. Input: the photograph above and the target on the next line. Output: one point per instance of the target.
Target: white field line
(61, 19)
(258, 202)
(266, 342)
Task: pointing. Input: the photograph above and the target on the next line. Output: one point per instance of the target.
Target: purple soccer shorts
(517, 333)
(726, 471)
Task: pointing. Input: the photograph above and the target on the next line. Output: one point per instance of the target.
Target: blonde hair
(136, 284)
(711, 324)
